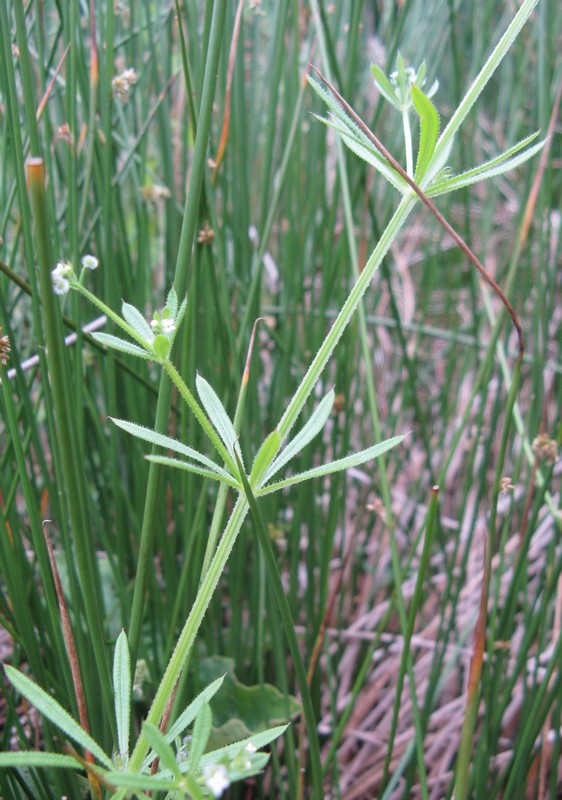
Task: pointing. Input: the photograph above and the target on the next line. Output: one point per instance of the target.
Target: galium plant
(180, 772)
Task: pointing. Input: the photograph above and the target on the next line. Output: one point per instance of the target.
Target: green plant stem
(181, 280)
(345, 315)
(71, 459)
(289, 628)
(189, 632)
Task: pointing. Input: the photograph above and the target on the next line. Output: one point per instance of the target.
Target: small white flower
(216, 779)
(168, 325)
(251, 748)
(154, 324)
(60, 276)
(90, 262)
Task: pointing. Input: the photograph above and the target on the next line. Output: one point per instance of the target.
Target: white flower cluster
(60, 277)
(64, 271)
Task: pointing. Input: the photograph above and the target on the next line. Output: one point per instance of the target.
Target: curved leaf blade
(51, 709)
(167, 443)
(177, 463)
(115, 343)
(353, 460)
(309, 431)
(122, 692)
(135, 319)
(216, 413)
(429, 130)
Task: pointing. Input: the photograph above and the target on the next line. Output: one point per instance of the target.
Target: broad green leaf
(200, 736)
(160, 746)
(265, 455)
(172, 302)
(115, 343)
(187, 717)
(334, 466)
(385, 87)
(34, 758)
(258, 740)
(177, 463)
(497, 166)
(429, 130)
(161, 346)
(122, 692)
(49, 707)
(135, 319)
(310, 430)
(216, 413)
(166, 442)
(246, 709)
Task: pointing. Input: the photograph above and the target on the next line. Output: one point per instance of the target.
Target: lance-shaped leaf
(122, 692)
(216, 413)
(496, 166)
(353, 136)
(161, 440)
(187, 716)
(362, 147)
(48, 707)
(200, 737)
(258, 740)
(135, 319)
(334, 466)
(115, 343)
(161, 748)
(187, 466)
(429, 130)
(172, 302)
(385, 87)
(310, 430)
(265, 456)
(35, 758)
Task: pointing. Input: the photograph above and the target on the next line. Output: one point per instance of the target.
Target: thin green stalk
(181, 280)
(345, 315)
(289, 628)
(71, 458)
(189, 632)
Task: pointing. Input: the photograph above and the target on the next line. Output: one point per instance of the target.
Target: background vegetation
(272, 241)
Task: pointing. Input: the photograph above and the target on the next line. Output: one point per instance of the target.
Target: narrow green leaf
(497, 166)
(258, 740)
(167, 443)
(385, 87)
(187, 466)
(34, 758)
(265, 455)
(49, 707)
(135, 319)
(133, 780)
(160, 746)
(313, 427)
(334, 466)
(200, 737)
(366, 151)
(122, 692)
(187, 716)
(115, 343)
(429, 130)
(172, 302)
(216, 413)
